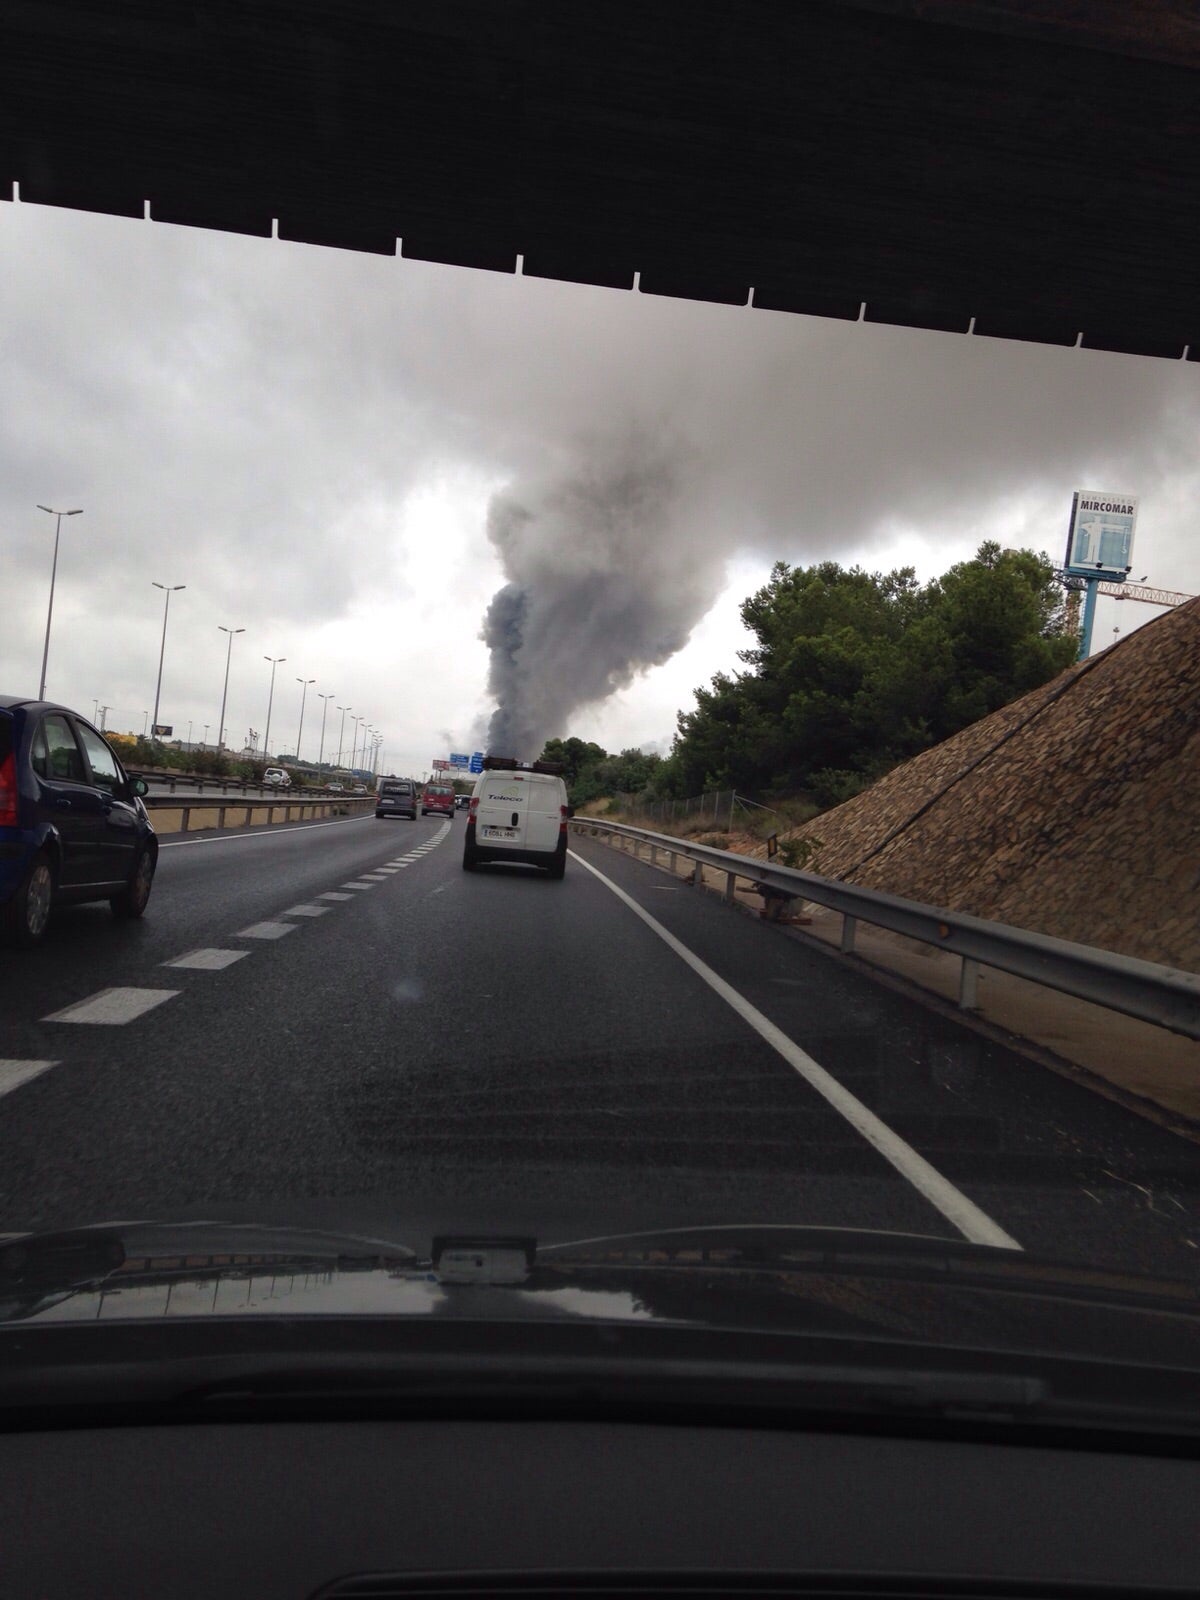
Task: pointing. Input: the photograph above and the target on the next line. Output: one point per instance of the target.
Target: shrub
(800, 853)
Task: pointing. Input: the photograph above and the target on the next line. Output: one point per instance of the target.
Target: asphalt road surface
(331, 1023)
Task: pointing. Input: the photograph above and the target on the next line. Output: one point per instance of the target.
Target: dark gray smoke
(602, 584)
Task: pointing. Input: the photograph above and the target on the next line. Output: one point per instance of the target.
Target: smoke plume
(604, 582)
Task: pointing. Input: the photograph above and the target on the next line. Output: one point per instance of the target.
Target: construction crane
(1152, 597)
(1117, 591)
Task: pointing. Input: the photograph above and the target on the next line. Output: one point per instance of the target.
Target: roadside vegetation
(851, 673)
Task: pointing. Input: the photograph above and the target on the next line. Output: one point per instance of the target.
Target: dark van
(397, 797)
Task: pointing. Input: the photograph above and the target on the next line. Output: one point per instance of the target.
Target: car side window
(105, 772)
(38, 758)
(64, 763)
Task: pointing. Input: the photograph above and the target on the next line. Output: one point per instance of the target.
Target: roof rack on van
(549, 769)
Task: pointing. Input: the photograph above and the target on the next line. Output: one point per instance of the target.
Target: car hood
(840, 1282)
(763, 1323)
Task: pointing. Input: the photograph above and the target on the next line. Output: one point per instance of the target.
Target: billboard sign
(162, 730)
(1100, 541)
(440, 765)
(460, 761)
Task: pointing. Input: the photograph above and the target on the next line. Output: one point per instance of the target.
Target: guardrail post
(730, 882)
(698, 875)
(184, 813)
(673, 858)
(968, 985)
(220, 816)
(849, 928)
(249, 814)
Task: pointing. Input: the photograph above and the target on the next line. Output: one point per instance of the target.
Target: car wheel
(131, 902)
(470, 858)
(27, 915)
(558, 866)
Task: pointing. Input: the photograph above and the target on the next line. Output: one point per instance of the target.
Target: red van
(438, 798)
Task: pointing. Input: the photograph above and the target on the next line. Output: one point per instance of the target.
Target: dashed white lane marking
(112, 1007)
(14, 1073)
(356, 885)
(966, 1216)
(305, 911)
(332, 894)
(261, 832)
(373, 877)
(267, 930)
(207, 960)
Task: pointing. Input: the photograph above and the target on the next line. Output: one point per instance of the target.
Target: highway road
(332, 1023)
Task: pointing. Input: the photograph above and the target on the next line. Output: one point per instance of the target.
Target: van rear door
(502, 817)
(544, 813)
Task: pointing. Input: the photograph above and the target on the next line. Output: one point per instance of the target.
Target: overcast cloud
(352, 458)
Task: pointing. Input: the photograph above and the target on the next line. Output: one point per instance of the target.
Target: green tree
(852, 672)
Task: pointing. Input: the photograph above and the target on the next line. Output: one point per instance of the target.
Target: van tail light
(8, 791)
(564, 813)
(473, 808)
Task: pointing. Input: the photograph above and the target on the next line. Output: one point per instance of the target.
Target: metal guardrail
(1143, 989)
(166, 777)
(244, 809)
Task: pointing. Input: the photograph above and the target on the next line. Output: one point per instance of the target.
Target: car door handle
(62, 805)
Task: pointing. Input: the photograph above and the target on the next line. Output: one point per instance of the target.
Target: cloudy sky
(367, 462)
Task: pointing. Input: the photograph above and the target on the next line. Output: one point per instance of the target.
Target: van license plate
(499, 833)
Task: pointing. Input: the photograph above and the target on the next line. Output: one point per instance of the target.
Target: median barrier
(171, 816)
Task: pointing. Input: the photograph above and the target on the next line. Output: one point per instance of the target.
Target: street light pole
(325, 699)
(104, 710)
(58, 515)
(274, 660)
(303, 696)
(357, 721)
(225, 691)
(342, 735)
(168, 591)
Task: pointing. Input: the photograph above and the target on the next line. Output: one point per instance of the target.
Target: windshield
(867, 653)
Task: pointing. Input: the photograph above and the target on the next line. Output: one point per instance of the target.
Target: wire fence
(722, 810)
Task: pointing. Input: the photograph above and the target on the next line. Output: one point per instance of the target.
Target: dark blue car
(72, 823)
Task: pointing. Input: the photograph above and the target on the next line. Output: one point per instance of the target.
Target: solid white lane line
(267, 930)
(14, 1073)
(332, 894)
(305, 911)
(263, 831)
(966, 1216)
(207, 960)
(112, 1007)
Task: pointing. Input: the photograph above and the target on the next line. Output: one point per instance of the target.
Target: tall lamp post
(225, 691)
(59, 515)
(168, 590)
(342, 735)
(303, 695)
(325, 699)
(357, 721)
(274, 660)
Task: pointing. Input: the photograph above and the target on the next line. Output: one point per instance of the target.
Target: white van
(518, 814)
